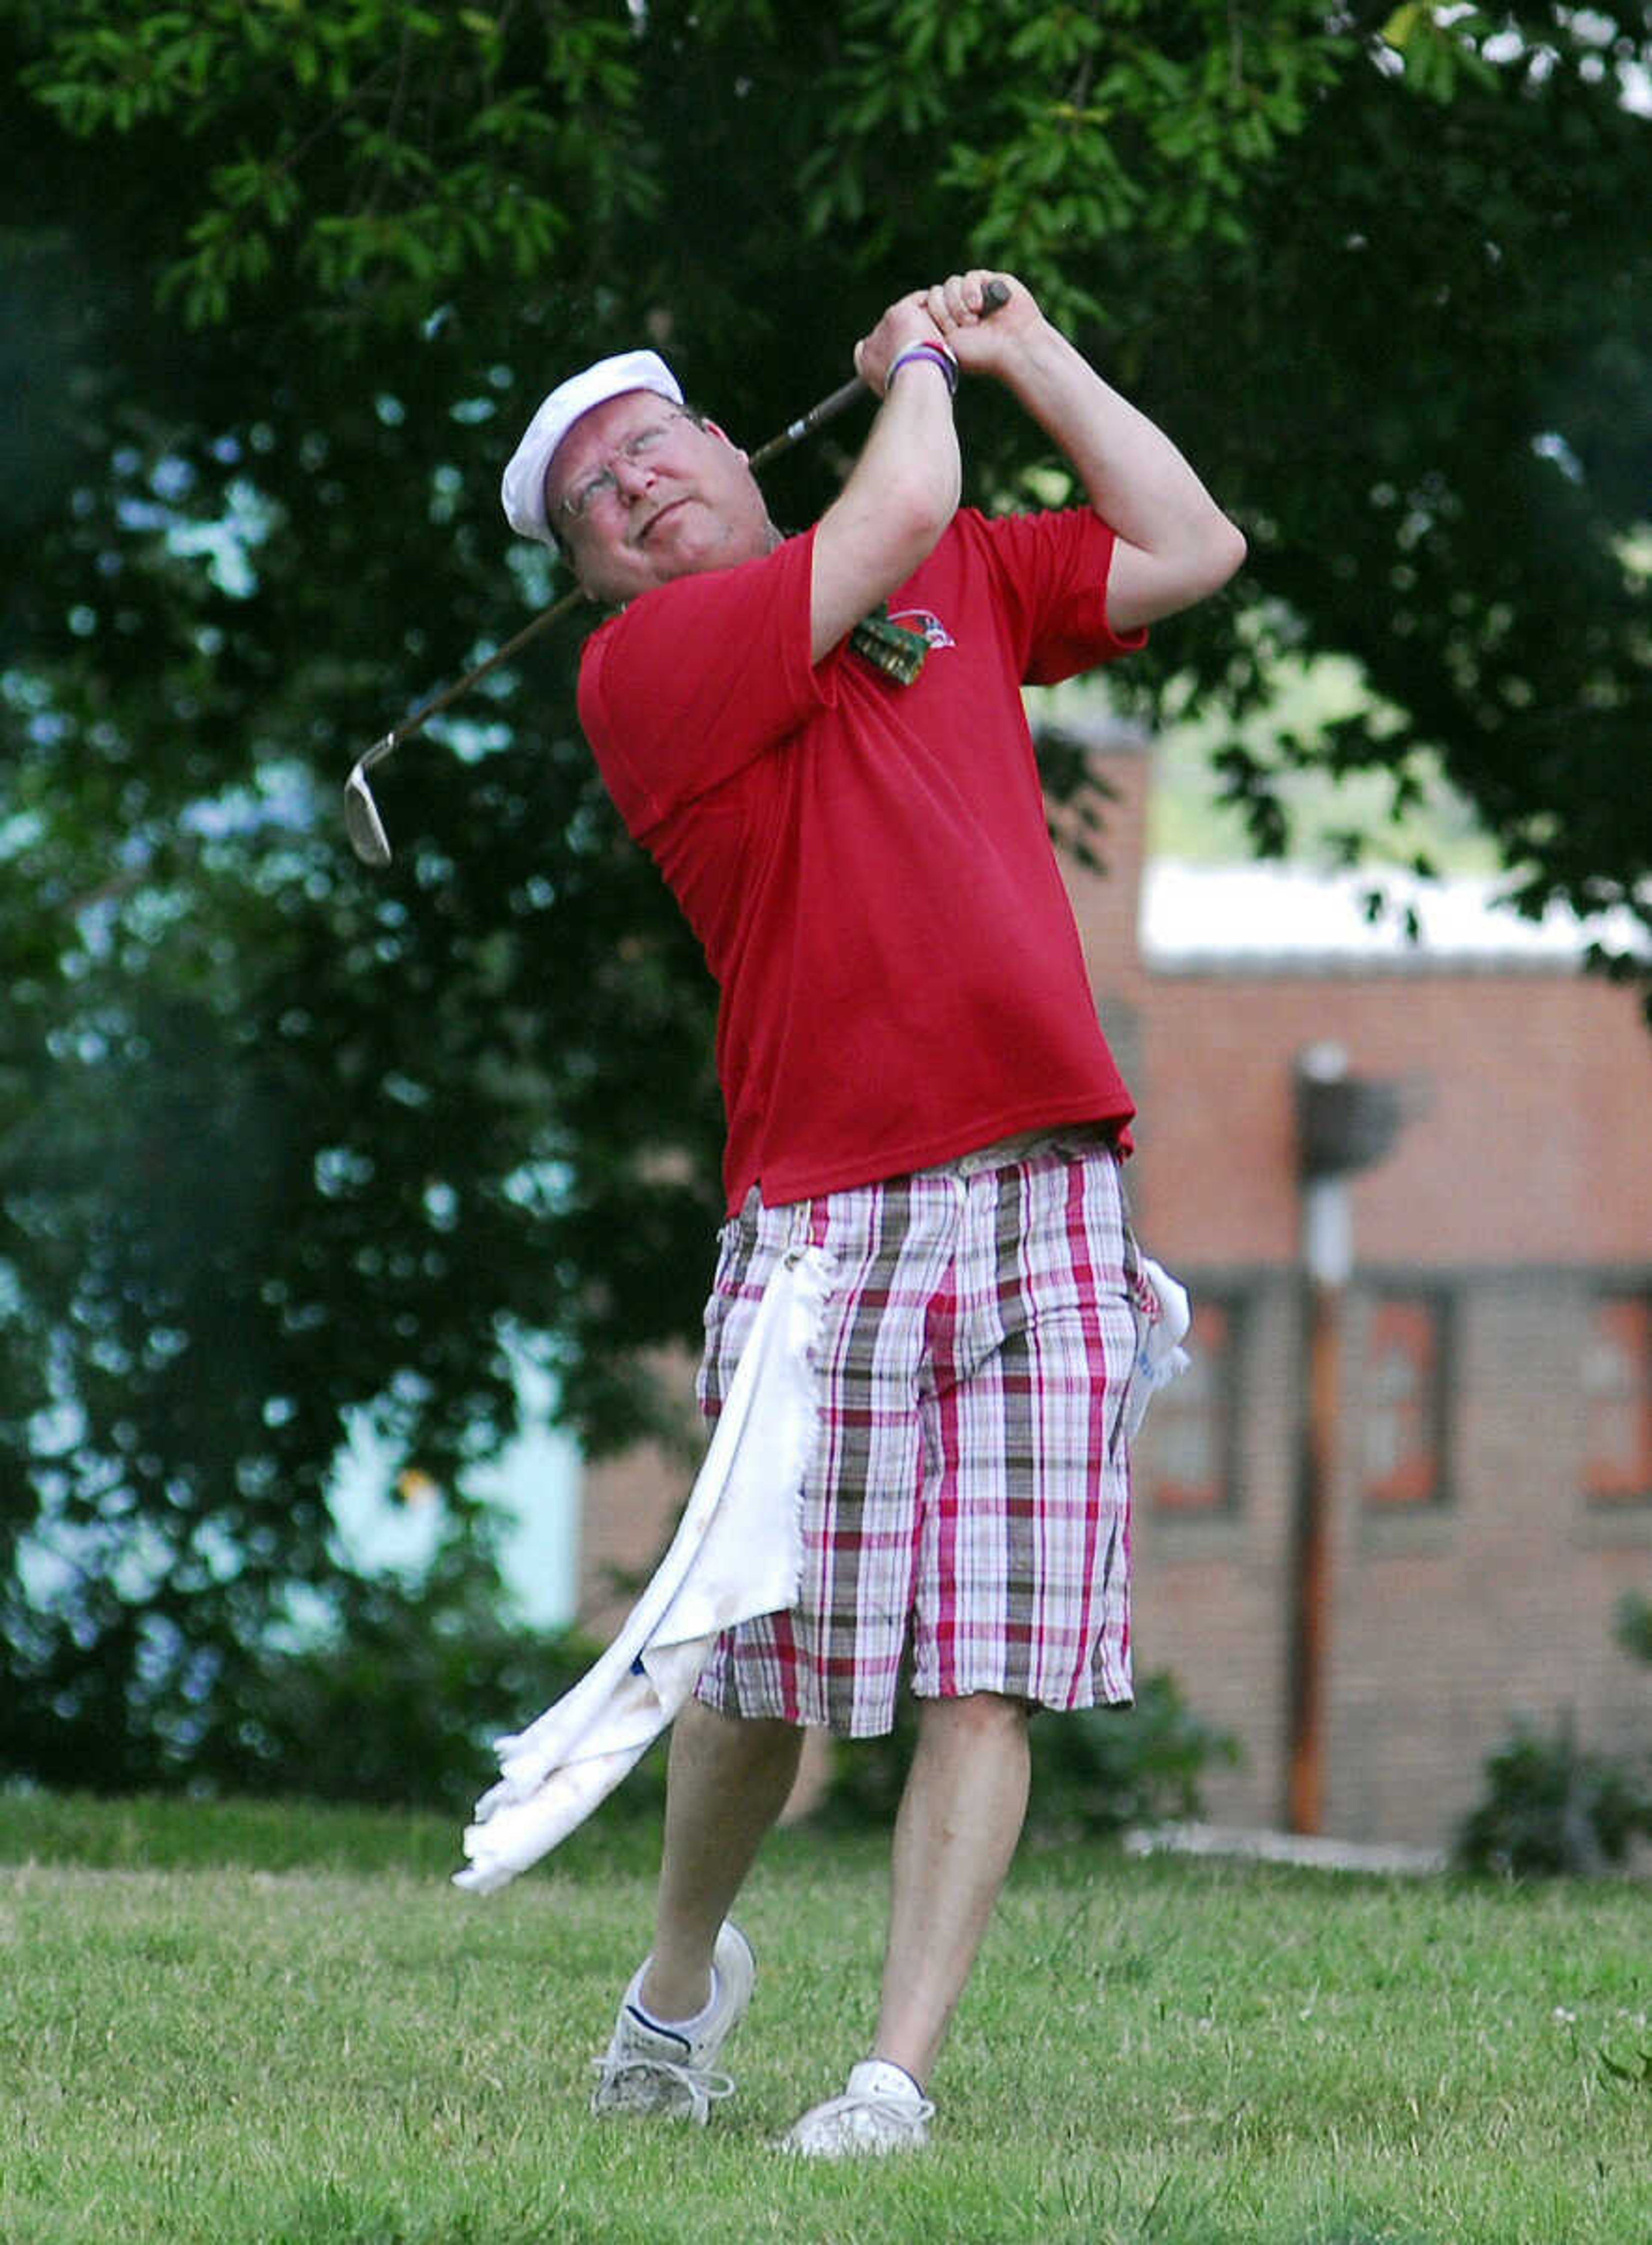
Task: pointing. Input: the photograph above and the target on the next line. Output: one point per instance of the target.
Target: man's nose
(632, 477)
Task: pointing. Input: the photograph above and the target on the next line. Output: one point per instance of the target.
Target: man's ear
(579, 578)
(718, 429)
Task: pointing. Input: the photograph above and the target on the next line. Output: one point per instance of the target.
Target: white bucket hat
(522, 489)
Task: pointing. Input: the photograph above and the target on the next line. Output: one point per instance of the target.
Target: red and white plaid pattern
(969, 1487)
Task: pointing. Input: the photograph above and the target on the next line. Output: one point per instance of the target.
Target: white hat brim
(523, 488)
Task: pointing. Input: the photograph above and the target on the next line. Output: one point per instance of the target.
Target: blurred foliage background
(283, 1142)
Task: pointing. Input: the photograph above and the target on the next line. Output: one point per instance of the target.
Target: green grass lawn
(281, 2024)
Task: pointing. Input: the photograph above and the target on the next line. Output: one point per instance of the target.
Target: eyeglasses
(598, 489)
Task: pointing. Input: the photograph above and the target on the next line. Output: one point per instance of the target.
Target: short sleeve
(1053, 572)
(695, 679)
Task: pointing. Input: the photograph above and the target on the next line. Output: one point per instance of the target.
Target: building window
(1192, 1431)
(1617, 1389)
(1405, 1388)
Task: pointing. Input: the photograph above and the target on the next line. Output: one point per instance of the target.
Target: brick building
(1486, 1485)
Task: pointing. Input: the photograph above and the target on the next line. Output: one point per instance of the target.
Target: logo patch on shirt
(926, 622)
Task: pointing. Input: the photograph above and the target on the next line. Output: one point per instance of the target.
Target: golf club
(362, 821)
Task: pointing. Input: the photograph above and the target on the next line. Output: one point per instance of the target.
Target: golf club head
(362, 822)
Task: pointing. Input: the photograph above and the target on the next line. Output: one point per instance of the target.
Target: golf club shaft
(994, 296)
(828, 409)
(416, 718)
(795, 431)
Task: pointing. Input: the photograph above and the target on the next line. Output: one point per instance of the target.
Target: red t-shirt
(867, 865)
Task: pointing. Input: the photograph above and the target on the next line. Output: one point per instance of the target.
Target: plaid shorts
(967, 1504)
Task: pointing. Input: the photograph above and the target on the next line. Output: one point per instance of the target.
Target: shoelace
(902, 2112)
(705, 2087)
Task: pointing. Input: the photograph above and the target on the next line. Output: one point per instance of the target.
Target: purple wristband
(931, 354)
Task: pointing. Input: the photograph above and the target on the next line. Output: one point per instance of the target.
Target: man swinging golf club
(821, 739)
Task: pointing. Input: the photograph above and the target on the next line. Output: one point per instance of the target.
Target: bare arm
(904, 489)
(1174, 544)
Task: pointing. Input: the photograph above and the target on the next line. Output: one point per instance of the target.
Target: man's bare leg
(727, 1782)
(961, 1816)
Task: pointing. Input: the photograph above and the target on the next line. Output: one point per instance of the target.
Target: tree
(282, 279)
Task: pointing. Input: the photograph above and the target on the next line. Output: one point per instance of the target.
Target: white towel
(737, 1553)
(1160, 1355)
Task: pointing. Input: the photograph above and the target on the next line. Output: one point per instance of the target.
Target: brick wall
(1520, 1179)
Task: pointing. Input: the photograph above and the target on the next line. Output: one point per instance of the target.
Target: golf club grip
(994, 297)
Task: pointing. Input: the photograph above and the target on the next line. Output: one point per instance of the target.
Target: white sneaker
(882, 2109)
(651, 2068)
